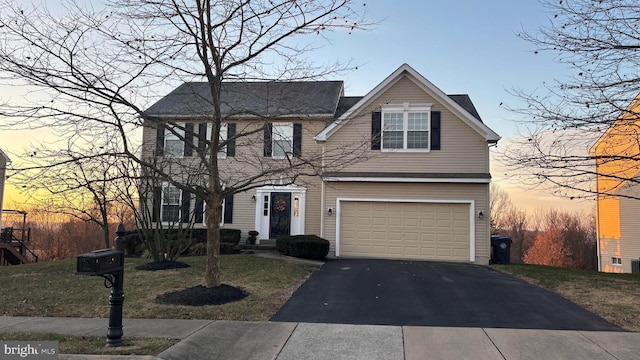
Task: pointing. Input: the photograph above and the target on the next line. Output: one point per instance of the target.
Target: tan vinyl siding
(248, 161)
(463, 149)
(478, 193)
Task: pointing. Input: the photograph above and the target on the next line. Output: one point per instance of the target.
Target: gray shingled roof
(192, 100)
(465, 101)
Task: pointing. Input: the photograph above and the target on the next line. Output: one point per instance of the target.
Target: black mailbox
(100, 262)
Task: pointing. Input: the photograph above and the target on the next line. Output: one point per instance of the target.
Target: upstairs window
(282, 140)
(173, 145)
(406, 128)
(222, 153)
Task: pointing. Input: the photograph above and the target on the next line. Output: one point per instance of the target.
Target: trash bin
(501, 250)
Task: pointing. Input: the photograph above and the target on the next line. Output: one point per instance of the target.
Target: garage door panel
(431, 231)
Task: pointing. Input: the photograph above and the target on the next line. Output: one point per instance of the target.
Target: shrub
(227, 248)
(303, 246)
(230, 235)
(198, 249)
(133, 244)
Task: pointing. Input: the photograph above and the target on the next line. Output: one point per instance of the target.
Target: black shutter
(267, 139)
(160, 140)
(228, 209)
(186, 203)
(188, 139)
(202, 137)
(199, 210)
(297, 139)
(435, 130)
(376, 130)
(157, 204)
(231, 145)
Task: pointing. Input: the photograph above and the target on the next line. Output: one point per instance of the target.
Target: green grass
(615, 297)
(53, 289)
(70, 344)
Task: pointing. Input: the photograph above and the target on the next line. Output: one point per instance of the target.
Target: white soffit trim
(428, 87)
(408, 180)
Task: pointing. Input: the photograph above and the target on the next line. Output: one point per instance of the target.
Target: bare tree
(598, 41)
(80, 186)
(97, 68)
(499, 206)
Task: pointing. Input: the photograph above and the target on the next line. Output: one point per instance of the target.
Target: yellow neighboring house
(4, 160)
(617, 158)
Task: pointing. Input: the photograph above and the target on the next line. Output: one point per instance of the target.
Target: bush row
(134, 244)
(303, 246)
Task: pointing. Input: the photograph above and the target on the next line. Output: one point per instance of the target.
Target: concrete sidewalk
(205, 339)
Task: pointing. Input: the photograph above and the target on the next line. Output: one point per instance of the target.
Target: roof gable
(192, 100)
(460, 105)
(5, 156)
(630, 117)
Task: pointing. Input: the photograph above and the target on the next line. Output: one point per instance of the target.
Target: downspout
(598, 220)
(322, 195)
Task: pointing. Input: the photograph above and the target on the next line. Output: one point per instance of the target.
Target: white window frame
(279, 136)
(405, 109)
(165, 186)
(222, 153)
(169, 135)
(616, 261)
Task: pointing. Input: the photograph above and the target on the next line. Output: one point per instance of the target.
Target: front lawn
(53, 289)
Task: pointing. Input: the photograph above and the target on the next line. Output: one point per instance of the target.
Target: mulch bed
(200, 296)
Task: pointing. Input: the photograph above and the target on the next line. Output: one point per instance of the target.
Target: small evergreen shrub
(198, 249)
(133, 244)
(303, 246)
(230, 235)
(227, 248)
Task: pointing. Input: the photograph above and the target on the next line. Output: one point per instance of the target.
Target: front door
(280, 219)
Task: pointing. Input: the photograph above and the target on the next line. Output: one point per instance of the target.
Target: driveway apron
(422, 293)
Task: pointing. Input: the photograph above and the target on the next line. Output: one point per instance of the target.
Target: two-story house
(402, 172)
(617, 160)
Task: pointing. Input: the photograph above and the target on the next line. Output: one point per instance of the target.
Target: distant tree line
(546, 237)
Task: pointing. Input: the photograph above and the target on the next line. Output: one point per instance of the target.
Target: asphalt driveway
(387, 292)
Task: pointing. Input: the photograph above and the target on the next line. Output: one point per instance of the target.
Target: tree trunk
(214, 215)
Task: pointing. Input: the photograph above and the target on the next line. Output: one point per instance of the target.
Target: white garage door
(394, 230)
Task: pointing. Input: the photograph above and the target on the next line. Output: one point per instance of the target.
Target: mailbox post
(108, 264)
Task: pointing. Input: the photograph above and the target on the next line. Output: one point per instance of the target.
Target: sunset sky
(465, 46)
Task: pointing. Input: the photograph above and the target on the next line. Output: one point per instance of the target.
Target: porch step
(10, 256)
